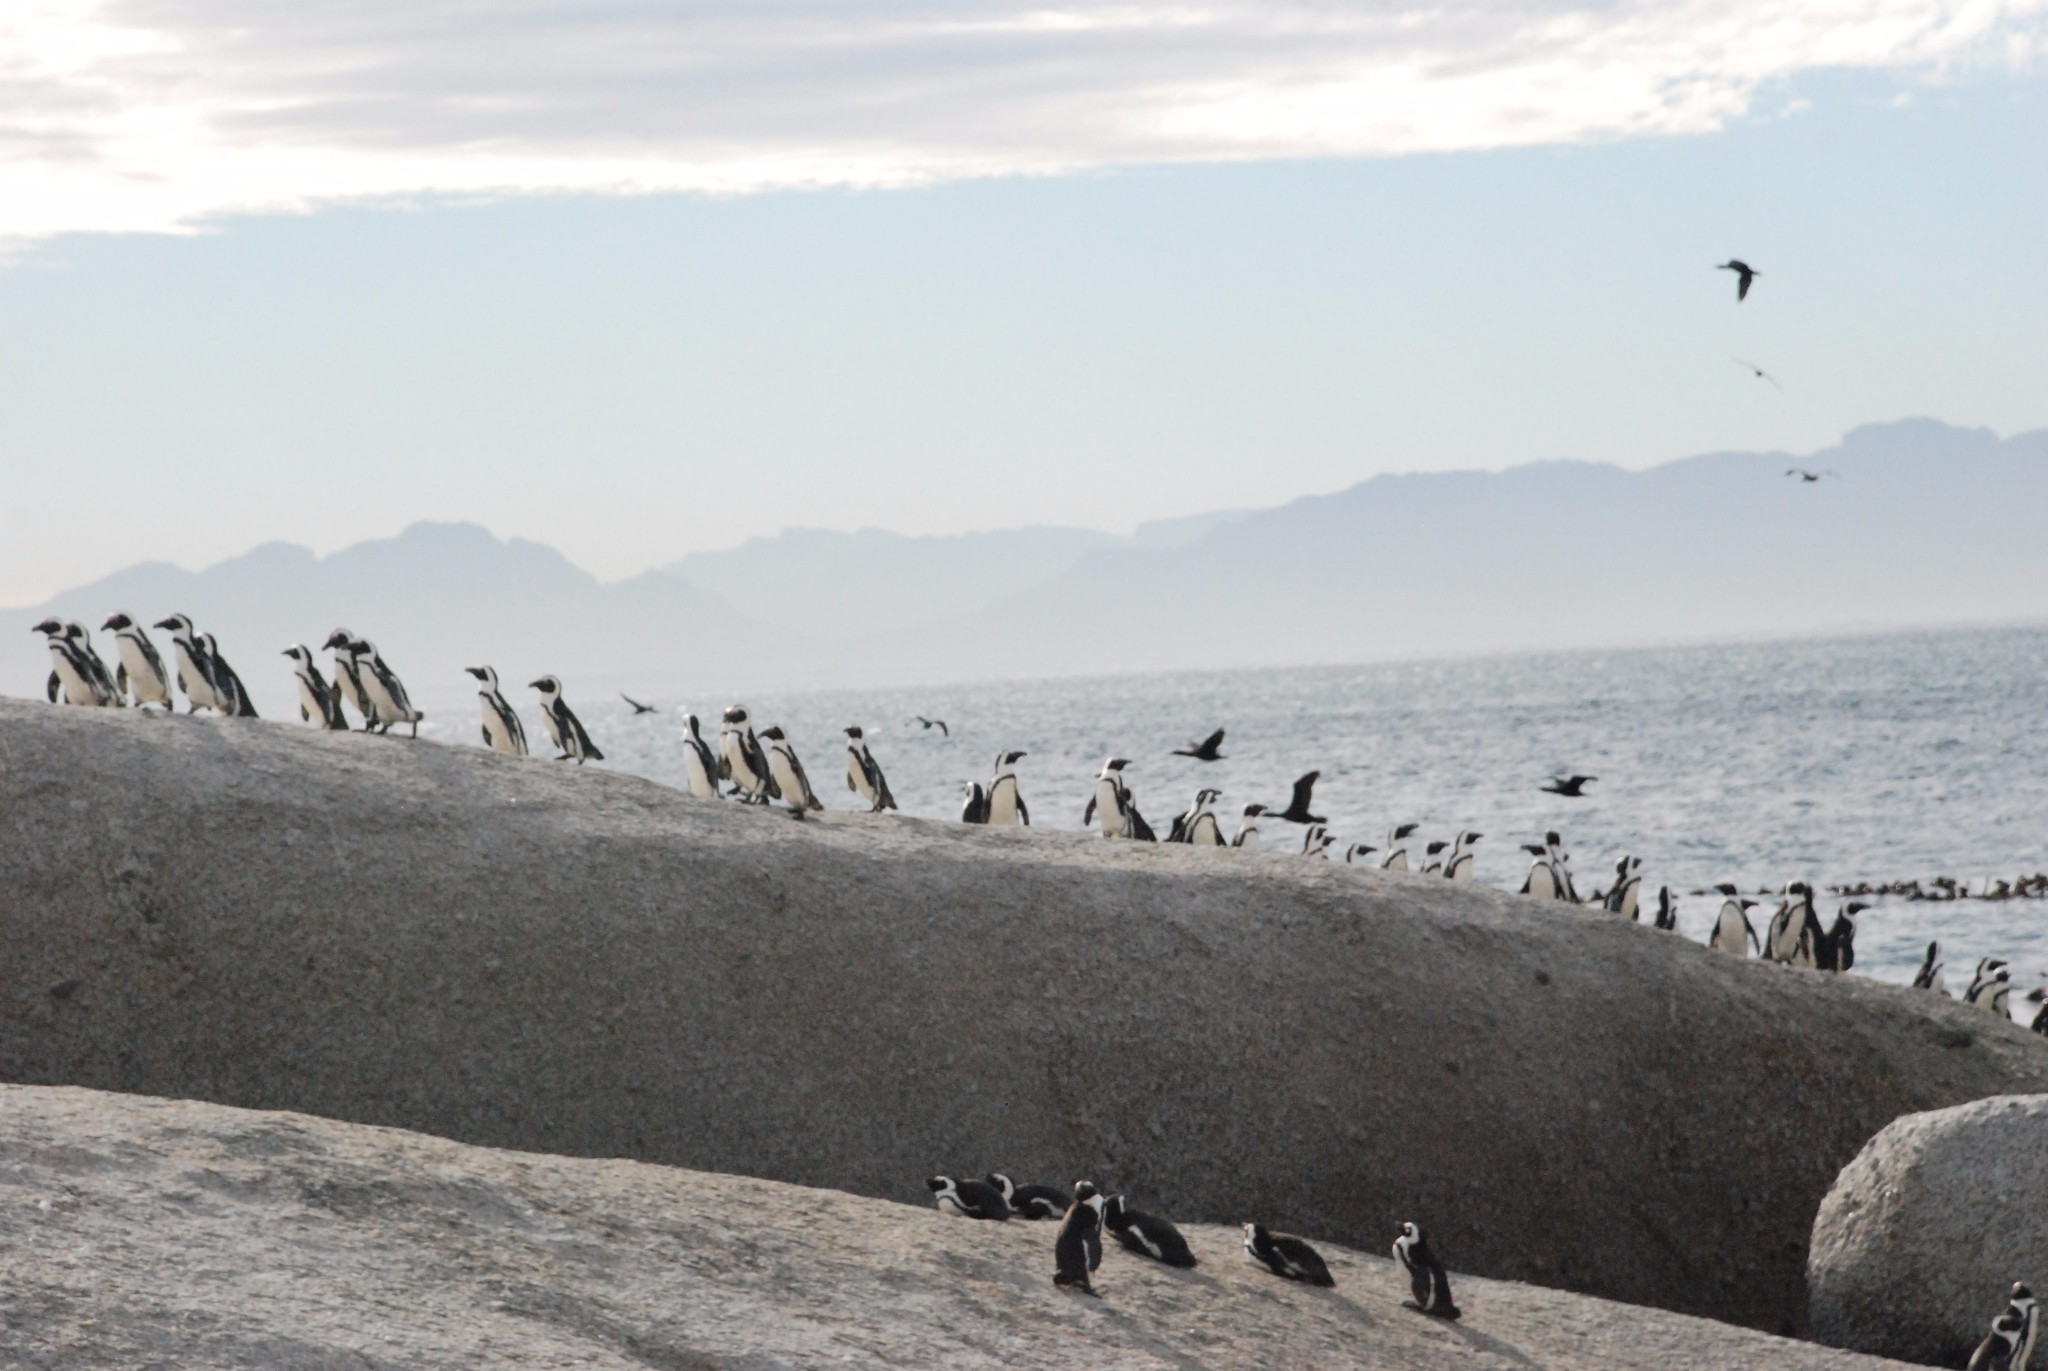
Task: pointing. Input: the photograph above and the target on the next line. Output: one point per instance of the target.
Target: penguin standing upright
(788, 771)
(741, 760)
(1006, 807)
(1427, 1278)
(141, 672)
(1929, 976)
(1114, 807)
(1836, 950)
(227, 686)
(1733, 932)
(383, 689)
(1283, 1254)
(1197, 825)
(973, 803)
(1667, 909)
(1433, 858)
(1460, 864)
(1247, 835)
(195, 677)
(2009, 1346)
(1542, 878)
(111, 694)
(1991, 988)
(319, 702)
(1077, 1250)
(348, 676)
(1628, 884)
(564, 728)
(502, 730)
(1793, 928)
(700, 767)
(1394, 856)
(1145, 1234)
(864, 774)
(1560, 867)
(71, 676)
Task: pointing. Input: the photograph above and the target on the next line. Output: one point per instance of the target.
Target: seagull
(1744, 274)
(1811, 476)
(638, 708)
(1572, 787)
(939, 724)
(1759, 371)
(1204, 751)
(1297, 808)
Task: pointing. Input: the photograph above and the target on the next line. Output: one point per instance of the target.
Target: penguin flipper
(1087, 815)
(54, 688)
(1023, 814)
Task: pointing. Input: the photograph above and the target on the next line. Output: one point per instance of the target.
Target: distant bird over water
(1744, 274)
(1571, 787)
(1759, 372)
(1809, 477)
(930, 724)
(1205, 750)
(1297, 806)
(638, 708)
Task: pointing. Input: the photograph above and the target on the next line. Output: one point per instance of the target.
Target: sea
(1836, 761)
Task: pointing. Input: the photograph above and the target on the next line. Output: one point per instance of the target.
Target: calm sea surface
(1834, 761)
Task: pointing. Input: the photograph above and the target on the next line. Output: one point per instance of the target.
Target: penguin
(1433, 858)
(1929, 976)
(71, 677)
(1030, 1201)
(1542, 878)
(348, 676)
(864, 774)
(973, 804)
(1667, 910)
(1394, 857)
(141, 672)
(112, 695)
(1459, 865)
(319, 703)
(1077, 1249)
(1316, 842)
(1247, 835)
(2010, 1343)
(1356, 854)
(1628, 882)
(1197, 826)
(501, 727)
(1992, 988)
(1733, 931)
(564, 728)
(741, 761)
(788, 771)
(383, 689)
(227, 686)
(1427, 1278)
(1113, 806)
(700, 767)
(967, 1199)
(1794, 929)
(1285, 1255)
(194, 676)
(1145, 1234)
(1837, 947)
(1560, 867)
(1006, 808)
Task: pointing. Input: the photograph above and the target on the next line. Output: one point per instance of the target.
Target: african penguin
(1733, 931)
(319, 703)
(973, 804)
(383, 688)
(1836, 950)
(1197, 826)
(2010, 1343)
(1427, 1278)
(700, 767)
(1433, 858)
(502, 730)
(967, 1199)
(1077, 1248)
(741, 761)
(1667, 909)
(1628, 882)
(1790, 936)
(348, 676)
(864, 774)
(1315, 842)
(788, 771)
(71, 676)
(1992, 988)
(565, 730)
(1394, 856)
(1145, 1234)
(1356, 854)
(1030, 1201)
(1561, 867)
(227, 686)
(1459, 865)
(111, 693)
(1113, 807)
(1283, 1254)
(1929, 976)
(1542, 878)
(194, 676)
(1247, 835)
(1006, 807)
(142, 670)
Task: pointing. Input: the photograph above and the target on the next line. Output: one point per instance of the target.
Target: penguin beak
(538, 685)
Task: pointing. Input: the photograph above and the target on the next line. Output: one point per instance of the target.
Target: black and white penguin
(1733, 932)
(1836, 950)
(195, 677)
(141, 672)
(502, 730)
(1394, 856)
(700, 767)
(1459, 865)
(973, 803)
(1541, 881)
(565, 730)
(348, 676)
(1006, 808)
(1030, 1201)
(864, 774)
(1991, 988)
(1356, 854)
(1198, 827)
(1433, 858)
(788, 771)
(741, 760)
(227, 686)
(1794, 929)
(1077, 1250)
(968, 1198)
(72, 680)
(319, 704)
(1667, 910)
(1561, 867)
(1315, 842)
(1145, 1234)
(1113, 806)
(2009, 1346)
(112, 694)
(1929, 976)
(383, 689)
(1628, 883)
(1285, 1255)
(1427, 1278)
(1247, 835)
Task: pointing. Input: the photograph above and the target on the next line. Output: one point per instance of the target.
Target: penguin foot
(1075, 1287)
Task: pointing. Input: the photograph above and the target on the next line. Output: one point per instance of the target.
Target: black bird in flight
(638, 708)
(1759, 371)
(1572, 787)
(930, 724)
(1744, 274)
(1204, 751)
(1809, 477)
(1297, 808)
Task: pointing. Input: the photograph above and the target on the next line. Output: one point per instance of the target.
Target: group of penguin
(1087, 1213)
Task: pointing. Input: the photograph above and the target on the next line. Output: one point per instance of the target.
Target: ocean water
(1840, 760)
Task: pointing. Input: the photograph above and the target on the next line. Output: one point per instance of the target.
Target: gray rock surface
(1923, 1234)
(531, 955)
(137, 1232)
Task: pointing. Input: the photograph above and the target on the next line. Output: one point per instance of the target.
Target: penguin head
(1853, 908)
(1014, 757)
(1003, 1184)
(690, 724)
(2020, 1291)
(1435, 848)
(736, 716)
(484, 674)
(940, 1185)
(1113, 1210)
(51, 628)
(1411, 1232)
(1552, 839)
(297, 653)
(1253, 811)
(177, 624)
(853, 731)
(117, 621)
(1256, 1239)
(1726, 888)
(339, 640)
(1116, 764)
(547, 685)
(1357, 850)
(1405, 829)
(1085, 1191)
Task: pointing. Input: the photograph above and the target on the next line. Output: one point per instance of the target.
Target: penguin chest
(737, 762)
(785, 776)
(1109, 809)
(1204, 832)
(857, 777)
(149, 687)
(699, 775)
(1002, 802)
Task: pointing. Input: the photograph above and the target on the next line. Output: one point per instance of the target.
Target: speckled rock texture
(1923, 1234)
(526, 954)
(165, 1233)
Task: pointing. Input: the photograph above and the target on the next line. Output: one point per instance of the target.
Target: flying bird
(1297, 807)
(1760, 372)
(1744, 274)
(930, 724)
(1811, 476)
(1572, 787)
(638, 708)
(1205, 750)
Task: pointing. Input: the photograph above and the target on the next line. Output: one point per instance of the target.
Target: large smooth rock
(527, 954)
(138, 1232)
(1921, 1237)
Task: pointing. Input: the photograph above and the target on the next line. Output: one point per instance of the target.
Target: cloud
(159, 115)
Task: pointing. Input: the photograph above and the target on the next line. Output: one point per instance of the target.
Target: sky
(637, 280)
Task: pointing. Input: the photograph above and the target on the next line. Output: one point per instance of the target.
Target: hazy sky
(638, 279)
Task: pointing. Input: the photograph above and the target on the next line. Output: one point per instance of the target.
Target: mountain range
(1915, 524)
